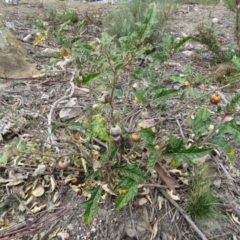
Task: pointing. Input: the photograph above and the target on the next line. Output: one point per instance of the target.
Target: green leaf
(165, 93)
(182, 42)
(226, 148)
(22, 146)
(152, 159)
(113, 153)
(130, 172)
(4, 158)
(140, 96)
(91, 204)
(55, 127)
(127, 192)
(148, 137)
(99, 128)
(75, 126)
(230, 127)
(235, 100)
(145, 28)
(90, 77)
(201, 122)
(19, 158)
(178, 151)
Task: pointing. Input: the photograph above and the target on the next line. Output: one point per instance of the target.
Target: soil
(64, 220)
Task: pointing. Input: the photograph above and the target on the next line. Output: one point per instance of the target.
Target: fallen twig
(189, 220)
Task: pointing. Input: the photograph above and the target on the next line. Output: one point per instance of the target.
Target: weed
(201, 203)
(131, 12)
(234, 6)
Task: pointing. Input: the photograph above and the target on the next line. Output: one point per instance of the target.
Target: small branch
(50, 137)
(188, 219)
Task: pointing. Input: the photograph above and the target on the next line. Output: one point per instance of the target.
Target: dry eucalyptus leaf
(53, 183)
(155, 230)
(236, 219)
(15, 183)
(38, 191)
(40, 170)
(107, 189)
(55, 196)
(172, 195)
(75, 188)
(147, 123)
(17, 176)
(63, 236)
(38, 208)
(185, 180)
(178, 172)
(160, 201)
(142, 201)
(96, 165)
(95, 154)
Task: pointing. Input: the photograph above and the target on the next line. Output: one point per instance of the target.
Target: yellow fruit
(63, 52)
(135, 137)
(215, 98)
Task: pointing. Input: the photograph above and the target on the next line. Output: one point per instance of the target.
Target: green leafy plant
(122, 21)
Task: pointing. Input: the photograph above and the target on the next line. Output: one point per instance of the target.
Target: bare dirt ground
(64, 220)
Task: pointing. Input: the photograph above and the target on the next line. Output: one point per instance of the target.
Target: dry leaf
(15, 183)
(160, 201)
(38, 191)
(155, 230)
(96, 165)
(40, 170)
(53, 183)
(95, 154)
(17, 176)
(53, 234)
(84, 164)
(142, 201)
(185, 180)
(107, 189)
(178, 172)
(55, 196)
(38, 208)
(235, 219)
(63, 236)
(147, 123)
(168, 180)
(172, 195)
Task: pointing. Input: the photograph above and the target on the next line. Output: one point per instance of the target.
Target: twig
(50, 138)
(180, 128)
(130, 210)
(188, 219)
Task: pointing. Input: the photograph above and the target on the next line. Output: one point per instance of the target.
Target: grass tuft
(202, 204)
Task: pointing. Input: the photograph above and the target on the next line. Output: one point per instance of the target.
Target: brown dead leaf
(168, 180)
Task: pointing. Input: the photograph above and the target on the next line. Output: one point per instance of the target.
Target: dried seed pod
(63, 52)
(104, 97)
(115, 131)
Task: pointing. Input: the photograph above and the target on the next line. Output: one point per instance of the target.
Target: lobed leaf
(126, 193)
(180, 152)
(130, 172)
(91, 204)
